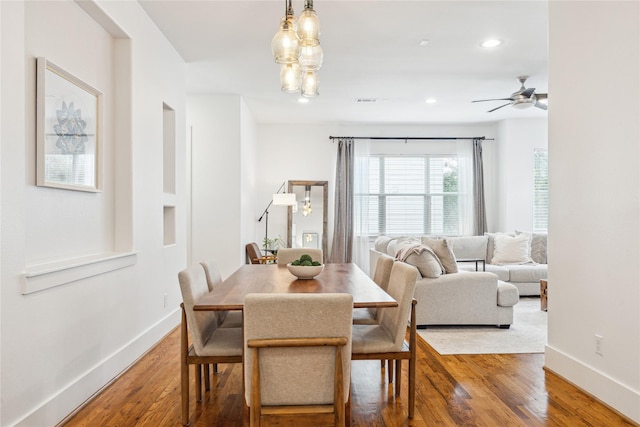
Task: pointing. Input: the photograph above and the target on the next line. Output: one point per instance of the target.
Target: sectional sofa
(450, 291)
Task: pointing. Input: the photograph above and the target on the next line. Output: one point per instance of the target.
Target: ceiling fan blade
(494, 99)
(497, 108)
(540, 105)
(528, 92)
(541, 96)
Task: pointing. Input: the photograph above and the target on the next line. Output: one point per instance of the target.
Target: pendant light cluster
(296, 46)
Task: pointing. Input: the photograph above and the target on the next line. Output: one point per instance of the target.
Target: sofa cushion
(538, 247)
(443, 252)
(527, 273)
(508, 294)
(512, 249)
(468, 247)
(381, 243)
(491, 243)
(422, 257)
(501, 271)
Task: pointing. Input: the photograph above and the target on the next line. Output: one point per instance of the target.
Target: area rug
(527, 334)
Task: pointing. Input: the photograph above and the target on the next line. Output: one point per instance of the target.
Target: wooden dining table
(273, 278)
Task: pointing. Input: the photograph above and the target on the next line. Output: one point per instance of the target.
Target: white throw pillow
(512, 249)
(538, 247)
(443, 252)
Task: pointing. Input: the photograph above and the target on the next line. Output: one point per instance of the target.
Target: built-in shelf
(169, 174)
(39, 277)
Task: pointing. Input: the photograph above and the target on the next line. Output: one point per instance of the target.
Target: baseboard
(610, 392)
(77, 392)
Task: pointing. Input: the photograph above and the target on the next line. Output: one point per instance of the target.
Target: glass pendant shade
(311, 57)
(310, 84)
(290, 77)
(286, 44)
(309, 26)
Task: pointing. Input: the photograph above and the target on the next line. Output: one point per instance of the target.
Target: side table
(543, 295)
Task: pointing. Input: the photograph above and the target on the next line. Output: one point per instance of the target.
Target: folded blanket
(404, 250)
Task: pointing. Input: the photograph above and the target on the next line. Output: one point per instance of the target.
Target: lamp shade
(310, 84)
(286, 43)
(309, 26)
(290, 77)
(311, 58)
(284, 199)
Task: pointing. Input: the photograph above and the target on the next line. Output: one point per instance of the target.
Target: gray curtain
(480, 223)
(342, 243)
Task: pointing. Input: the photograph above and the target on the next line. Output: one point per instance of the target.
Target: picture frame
(68, 130)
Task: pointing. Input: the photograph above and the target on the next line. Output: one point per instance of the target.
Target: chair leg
(184, 368)
(347, 411)
(398, 376)
(215, 368)
(390, 370)
(207, 382)
(197, 372)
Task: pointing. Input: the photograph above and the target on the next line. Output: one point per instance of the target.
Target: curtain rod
(410, 138)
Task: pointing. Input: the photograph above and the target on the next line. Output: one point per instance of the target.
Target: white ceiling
(371, 50)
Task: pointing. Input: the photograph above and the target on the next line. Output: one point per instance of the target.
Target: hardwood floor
(470, 390)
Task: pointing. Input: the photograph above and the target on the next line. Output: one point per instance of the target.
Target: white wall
(594, 232)
(61, 345)
(517, 140)
(217, 178)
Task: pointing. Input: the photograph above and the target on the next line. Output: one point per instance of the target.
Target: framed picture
(69, 118)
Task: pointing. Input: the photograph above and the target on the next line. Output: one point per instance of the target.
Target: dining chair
(381, 278)
(210, 343)
(386, 340)
(254, 254)
(297, 357)
(226, 319)
(287, 255)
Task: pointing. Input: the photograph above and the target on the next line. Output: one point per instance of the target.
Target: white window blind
(413, 194)
(540, 190)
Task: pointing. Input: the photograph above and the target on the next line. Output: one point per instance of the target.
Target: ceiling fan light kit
(522, 98)
(296, 46)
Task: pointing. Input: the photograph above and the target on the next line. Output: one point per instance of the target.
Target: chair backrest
(286, 255)
(383, 271)
(253, 253)
(296, 376)
(402, 285)
(212, 273)
(193, 285)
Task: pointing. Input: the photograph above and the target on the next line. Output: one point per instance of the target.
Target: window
(413, 195)
(540, 190)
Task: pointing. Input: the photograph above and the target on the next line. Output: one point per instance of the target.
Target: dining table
(274, 278)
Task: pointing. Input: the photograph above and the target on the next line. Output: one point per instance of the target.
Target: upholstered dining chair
(297, 357)
(254, 254)
(226, 319)
(386, 340)
(210, 344)
(286, 255)
(381, 278)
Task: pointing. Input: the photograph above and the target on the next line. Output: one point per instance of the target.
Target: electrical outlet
(598, 344)
(166, 297)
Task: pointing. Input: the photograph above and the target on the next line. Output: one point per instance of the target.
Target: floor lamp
(278, 199)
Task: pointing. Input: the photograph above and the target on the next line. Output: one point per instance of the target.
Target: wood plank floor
(470, 390)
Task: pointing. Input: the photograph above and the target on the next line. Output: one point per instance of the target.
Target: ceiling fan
(522, 98)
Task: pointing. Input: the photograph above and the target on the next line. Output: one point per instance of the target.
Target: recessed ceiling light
(303, 100)
(491, 43)
(424, 42)
(430, 100)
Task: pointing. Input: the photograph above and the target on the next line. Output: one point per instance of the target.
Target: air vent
(367, 100)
